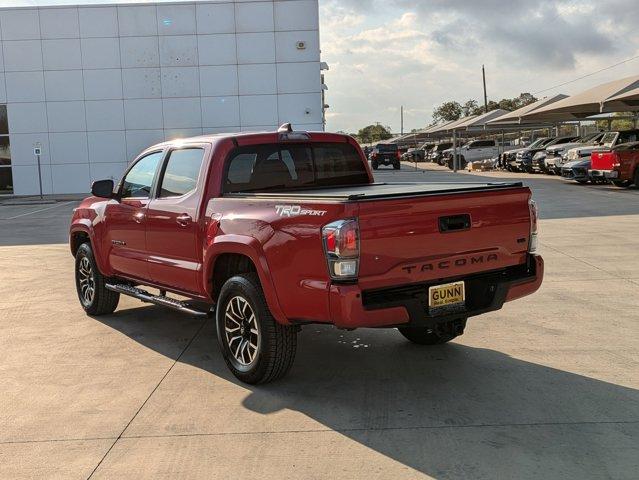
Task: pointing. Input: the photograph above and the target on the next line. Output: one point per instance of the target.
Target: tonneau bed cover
(380, 190)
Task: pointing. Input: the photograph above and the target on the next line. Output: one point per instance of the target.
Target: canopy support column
(455, 151)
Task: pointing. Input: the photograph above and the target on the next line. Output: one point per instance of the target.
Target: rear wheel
(425, 336)
(397, 165)
(255, 347)
(374, 165)
(94, 297)
(621, 183)
(636, 178)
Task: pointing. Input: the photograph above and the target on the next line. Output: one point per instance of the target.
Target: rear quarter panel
(290, 246)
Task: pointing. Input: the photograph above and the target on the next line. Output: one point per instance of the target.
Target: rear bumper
(408, 304)
(577, 173)
(599, 174)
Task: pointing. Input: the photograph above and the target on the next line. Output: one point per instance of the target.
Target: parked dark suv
(386, 154)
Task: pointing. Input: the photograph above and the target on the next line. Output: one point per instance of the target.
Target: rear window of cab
(276, 167)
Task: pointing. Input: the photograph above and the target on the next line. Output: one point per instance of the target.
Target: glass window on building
(6, 179)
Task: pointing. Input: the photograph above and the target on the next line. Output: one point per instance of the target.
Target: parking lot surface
(546, 388)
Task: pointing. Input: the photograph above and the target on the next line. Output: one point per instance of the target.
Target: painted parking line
(38, 211)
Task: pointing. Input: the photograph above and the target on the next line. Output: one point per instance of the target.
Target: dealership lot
(545, 388)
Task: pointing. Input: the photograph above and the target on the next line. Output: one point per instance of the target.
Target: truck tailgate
(428, 238)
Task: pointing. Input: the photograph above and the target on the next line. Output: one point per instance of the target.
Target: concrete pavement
(546, 388)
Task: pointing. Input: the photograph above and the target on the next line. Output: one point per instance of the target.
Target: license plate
(446, 298)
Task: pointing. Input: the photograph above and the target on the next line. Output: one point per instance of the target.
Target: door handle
(183, 220)
(138, 217)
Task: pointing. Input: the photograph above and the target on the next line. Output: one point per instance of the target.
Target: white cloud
(385, 53)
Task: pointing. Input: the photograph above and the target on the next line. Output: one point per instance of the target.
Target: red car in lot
(620, 165)
(268, 232)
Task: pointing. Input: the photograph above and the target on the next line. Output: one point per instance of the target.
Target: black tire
(397, 165)
(374, 165)
(582, 182)
(621, 183)
(275, 344)
(87, 276)
(636, 177)
(425, 336)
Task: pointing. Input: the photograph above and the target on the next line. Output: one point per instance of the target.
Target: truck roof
(252, 138)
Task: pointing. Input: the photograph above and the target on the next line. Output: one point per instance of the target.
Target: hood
(588, 149)
(516, 150)
(564, 146)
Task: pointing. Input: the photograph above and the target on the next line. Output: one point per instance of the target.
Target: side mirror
(102, 188)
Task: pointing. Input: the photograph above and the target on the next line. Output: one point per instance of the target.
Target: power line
(587, 75)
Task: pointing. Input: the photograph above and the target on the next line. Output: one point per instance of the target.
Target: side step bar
(155, 299)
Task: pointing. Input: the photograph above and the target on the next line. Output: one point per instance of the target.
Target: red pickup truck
(620, 165)
(268, 232)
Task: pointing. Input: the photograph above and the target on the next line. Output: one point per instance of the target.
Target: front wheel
(255, 347)
(94, 297)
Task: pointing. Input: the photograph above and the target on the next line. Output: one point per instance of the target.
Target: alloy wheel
(241, 330)
(86, 280)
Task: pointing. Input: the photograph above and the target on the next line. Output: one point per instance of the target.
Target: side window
(137, 183)
(181, 172)
(627, 137)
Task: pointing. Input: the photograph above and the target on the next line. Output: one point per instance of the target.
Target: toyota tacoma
(268, 232)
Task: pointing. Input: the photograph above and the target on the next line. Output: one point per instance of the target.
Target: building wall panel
(96, 84)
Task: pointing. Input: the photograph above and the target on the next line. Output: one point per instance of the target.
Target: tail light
(399, 155)
(616, 160)
(341, 246)
(534, 216)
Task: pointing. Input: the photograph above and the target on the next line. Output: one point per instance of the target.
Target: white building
(94, 84)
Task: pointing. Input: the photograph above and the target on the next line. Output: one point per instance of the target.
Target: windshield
(537, 143)
(386, 147)
(609, 138)
(589, 138)
(273, 167)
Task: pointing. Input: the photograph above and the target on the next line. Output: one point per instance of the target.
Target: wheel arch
(82, 232)
(230, 255)
(76, 238)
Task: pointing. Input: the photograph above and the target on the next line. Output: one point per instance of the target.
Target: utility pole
(483, 75)
(402, 121)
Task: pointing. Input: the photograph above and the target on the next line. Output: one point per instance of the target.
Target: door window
(137, 182)
(181, 172)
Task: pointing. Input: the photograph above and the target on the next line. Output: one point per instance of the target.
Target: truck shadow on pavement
(449, 411)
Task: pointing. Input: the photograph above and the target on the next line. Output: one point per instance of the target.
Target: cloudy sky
(420, 53)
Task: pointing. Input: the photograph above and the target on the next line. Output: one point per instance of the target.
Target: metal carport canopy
(478, 122)
(516, 117)
(595, 100)
(449, 127)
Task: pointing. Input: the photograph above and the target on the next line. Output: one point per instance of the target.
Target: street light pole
(37, 150)
(483, 75)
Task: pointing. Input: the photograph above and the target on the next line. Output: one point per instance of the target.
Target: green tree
(471, 107)
(373, 133)
(447, 112)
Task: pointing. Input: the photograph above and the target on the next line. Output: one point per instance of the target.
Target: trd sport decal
(296, 211)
